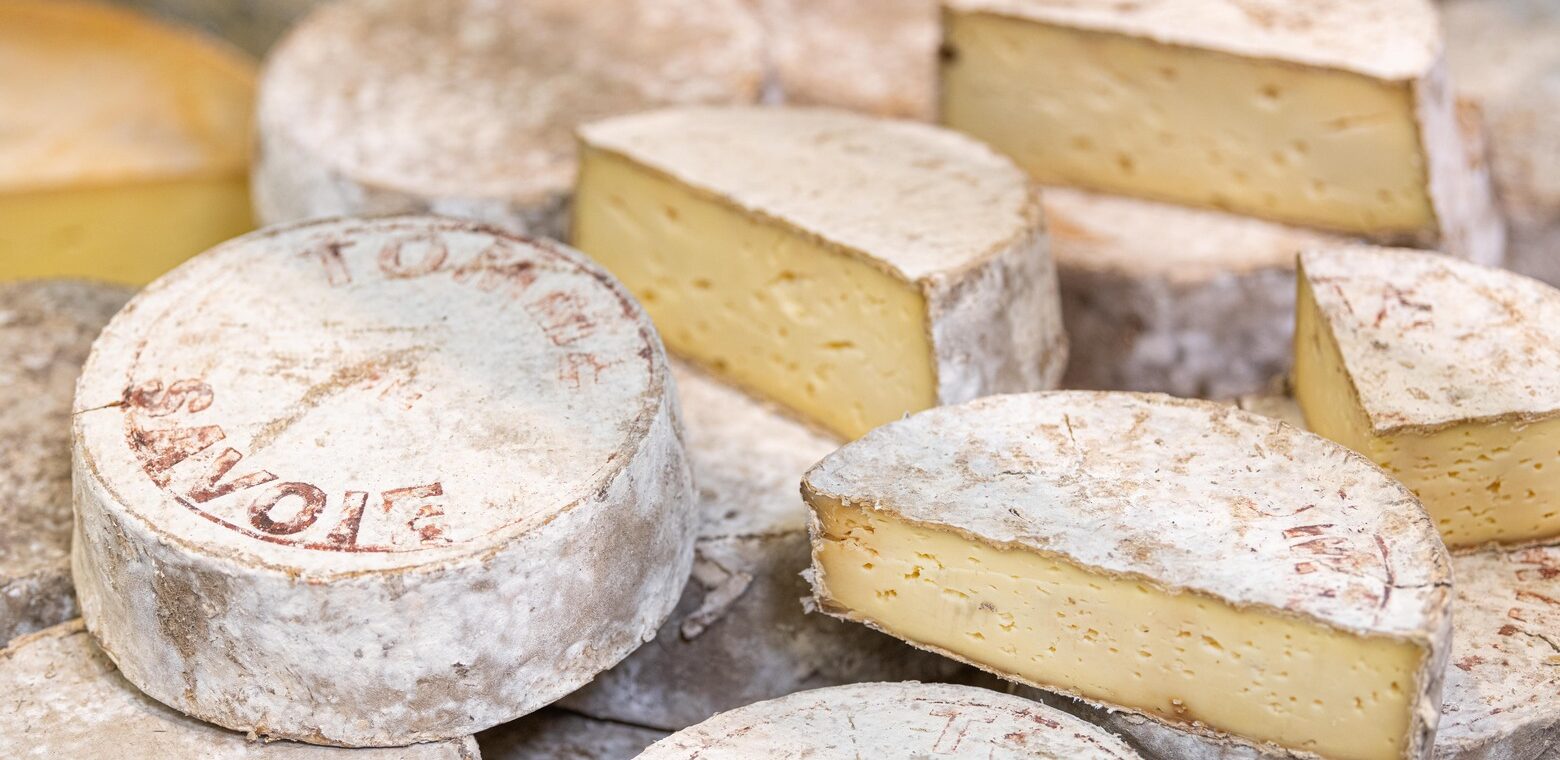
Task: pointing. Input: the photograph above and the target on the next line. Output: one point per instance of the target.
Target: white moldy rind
(553, 734)
(1504, 54)
(1397, 41)
(876, 56)
(925, 204)
(893, 721)
(1087, 476)
(373, 482)
(1482, 343)
(65, 699)
(1186, 301)
(740, 633)
(466, 108)
(1499, 699)
(46, 328)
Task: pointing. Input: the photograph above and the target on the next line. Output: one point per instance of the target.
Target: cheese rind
(64, 699)
(1028, 534)
(876, 56)
(487, 132)
(1445, 373)
(740, 633)
(850, 268)
(1503, 54)
(126, 143)
(313, 458)
(46, 328)
(1498, 699)
(1336, 116)
(894, 721)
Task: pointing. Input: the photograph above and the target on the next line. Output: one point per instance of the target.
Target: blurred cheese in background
(124, 142)
(1334, 116)
(1506, 55)
(468, 107)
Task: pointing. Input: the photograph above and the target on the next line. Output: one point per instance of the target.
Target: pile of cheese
(681, 379)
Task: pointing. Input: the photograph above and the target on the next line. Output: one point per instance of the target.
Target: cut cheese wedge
(740, 633)
(467, 108)
(1498, 701)
(376, 482)
(1446, 374)
(1193, 563)
(1334, 115)
(64, 698)
(877, 56)
(893, 721)
(124, 142)
(46, 327)
(1504, 54)
(852, 269)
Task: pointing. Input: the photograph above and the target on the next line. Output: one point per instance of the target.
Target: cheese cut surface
(740, 633)
(385, 468)
(850, 268)
(553, 734)
(1498, 702)
(877, 56)
(893, 721)
(1173, 558)
(64, 698)
(468, 108)
(1503, 54)
(124, 147)
(46, 328)
(1334, 116)
(1445, 373)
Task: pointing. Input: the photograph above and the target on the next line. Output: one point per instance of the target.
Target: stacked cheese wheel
(766, 458)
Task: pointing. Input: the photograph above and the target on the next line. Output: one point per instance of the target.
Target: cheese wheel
(1503, 53)
(1336, 116)
(1193, 563)
(850, 268)
(877, 56)
(893, 721)
(124, 145)
(1418, 361)
(740, 633)
(65, 699)
(377, 482)
(1498, 702)
(562, 735)
(46, 327)
(468, 108)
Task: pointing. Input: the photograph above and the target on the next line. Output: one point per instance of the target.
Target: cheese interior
(1183, 657)
(1481, 482)
(827, 334)
(129, 234)
(1123, 115)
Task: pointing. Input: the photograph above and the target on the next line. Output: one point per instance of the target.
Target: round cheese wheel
(374, 482)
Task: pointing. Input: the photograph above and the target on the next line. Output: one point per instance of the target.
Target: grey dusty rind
(740, 633)
(924, 204)
(467, 108)
(374, 482)
(874, 56)
(64, 699)
(554, 734)
(1087, 475)
(1504, 670)
(893, 721)
(1503, 53)
(253, 25)
(1398, 316)
(46, 328)
(1190, 302)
